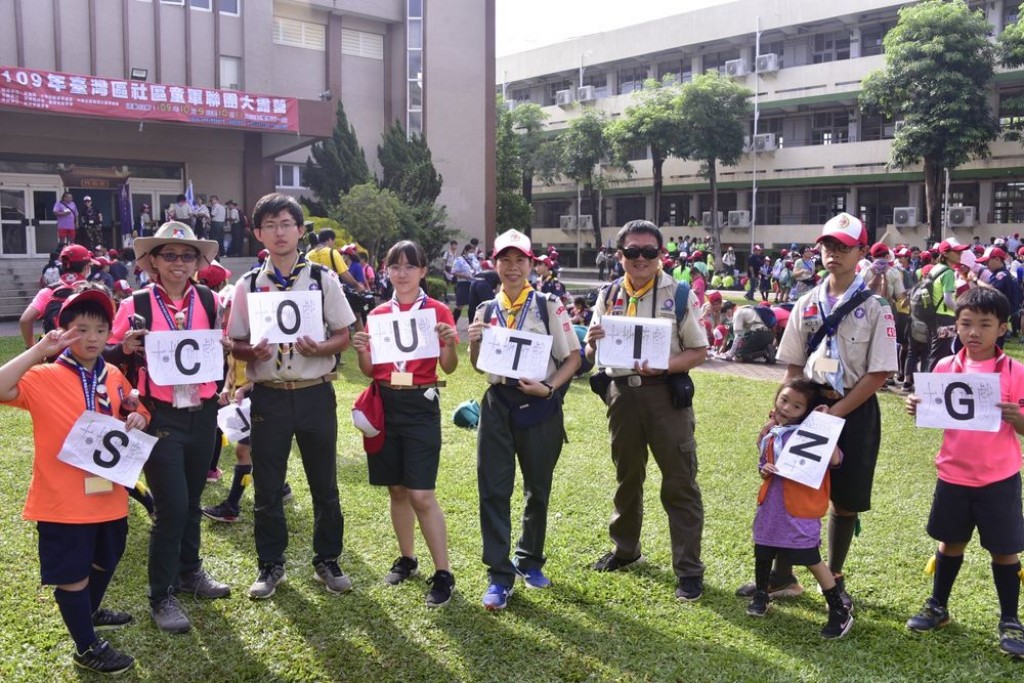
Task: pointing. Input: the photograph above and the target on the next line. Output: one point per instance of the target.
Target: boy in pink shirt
(979, 481)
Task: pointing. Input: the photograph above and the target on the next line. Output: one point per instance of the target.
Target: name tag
(401, 379)
(94, 485)
(826, 365)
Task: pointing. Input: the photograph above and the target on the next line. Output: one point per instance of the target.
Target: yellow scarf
(636, 294)
(513, 308)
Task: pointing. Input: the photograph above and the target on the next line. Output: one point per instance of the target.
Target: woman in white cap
(184, 416)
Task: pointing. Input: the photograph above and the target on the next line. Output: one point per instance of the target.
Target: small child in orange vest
(788, 519)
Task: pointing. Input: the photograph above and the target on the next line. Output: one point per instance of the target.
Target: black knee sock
(76, 610)
(1007, 579)
(840, 536)
(239, 481)
(762, 570)
(457, 313)
(99, 579)
(946, 569)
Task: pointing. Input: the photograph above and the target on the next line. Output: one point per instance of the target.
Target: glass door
(43, 221)
(14, 222)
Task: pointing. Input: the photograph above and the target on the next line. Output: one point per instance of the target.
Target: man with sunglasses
(843, 338)
(641, 414)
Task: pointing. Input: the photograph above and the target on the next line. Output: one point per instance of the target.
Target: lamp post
(579, 193)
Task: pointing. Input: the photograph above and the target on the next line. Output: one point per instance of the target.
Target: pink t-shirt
(698, 288)
(970, 458)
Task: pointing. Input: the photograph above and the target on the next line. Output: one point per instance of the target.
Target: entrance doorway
(28, 226)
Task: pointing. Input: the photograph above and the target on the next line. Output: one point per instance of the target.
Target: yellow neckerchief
(636, 294)
(513, 308)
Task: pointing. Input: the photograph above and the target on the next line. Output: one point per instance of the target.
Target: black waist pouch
(599, 383)
(681, 387)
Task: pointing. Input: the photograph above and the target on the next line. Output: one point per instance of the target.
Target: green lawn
(589, 626)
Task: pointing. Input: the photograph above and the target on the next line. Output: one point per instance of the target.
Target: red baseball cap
(368, 417)
(546, 260)
(714, 297)
(75, 253)
(97, 295)
(879, 250)
(951, 244)
(122, 286)
(214, 275)
(846, 229)
(992, 252)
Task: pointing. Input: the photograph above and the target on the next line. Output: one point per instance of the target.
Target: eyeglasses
(837, 246)
(284, 226)
(171, 257)
(633, 253)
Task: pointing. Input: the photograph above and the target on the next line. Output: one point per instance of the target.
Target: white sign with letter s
(514, 353)
(808, 452)
(184, 357)
(283, 317)
(958, 400)
(100, 445)
(403, 336)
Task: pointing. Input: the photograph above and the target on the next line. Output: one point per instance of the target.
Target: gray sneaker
(329, 573)
(169, 616)
(200, 584)
(270, 575)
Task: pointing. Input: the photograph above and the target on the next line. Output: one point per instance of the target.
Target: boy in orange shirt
(979, 484)
(82, 520)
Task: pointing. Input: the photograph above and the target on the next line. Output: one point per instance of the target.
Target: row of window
(290, 175)
(233, 7)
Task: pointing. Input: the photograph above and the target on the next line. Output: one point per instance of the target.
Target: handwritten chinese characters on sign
(514, 353)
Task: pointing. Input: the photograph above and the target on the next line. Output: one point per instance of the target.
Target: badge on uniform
(401, 379)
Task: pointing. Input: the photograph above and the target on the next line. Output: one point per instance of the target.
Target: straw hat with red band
(172, 232)
(513, 239)
(846, 229)
(97, 295)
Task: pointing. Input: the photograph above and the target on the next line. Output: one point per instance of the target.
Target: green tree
(582, 147)
(426, 224)
(335, 166)
(370, 215)
(654, 123)
(714, 114)
(407, 167)
(938, 68)
(534, 158)
(513, 210)
(1011, 55)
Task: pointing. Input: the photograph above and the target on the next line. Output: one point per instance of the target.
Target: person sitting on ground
(751, 338)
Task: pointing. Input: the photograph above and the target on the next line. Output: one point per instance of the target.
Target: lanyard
(171, 324)
(521, 315)
(90, 380)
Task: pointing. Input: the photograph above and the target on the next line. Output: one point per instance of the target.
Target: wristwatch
(551, 389)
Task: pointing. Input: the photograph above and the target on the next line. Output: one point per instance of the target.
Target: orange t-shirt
(52, 394)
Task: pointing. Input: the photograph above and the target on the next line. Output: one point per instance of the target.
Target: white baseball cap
(512, 239)
(846, 229)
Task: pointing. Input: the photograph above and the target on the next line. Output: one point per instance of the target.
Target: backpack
(767, 316)
(922, 307)
(50, 314)
(50, 276)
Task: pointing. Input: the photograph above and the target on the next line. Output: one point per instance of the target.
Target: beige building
(814, 152)
(427, 64)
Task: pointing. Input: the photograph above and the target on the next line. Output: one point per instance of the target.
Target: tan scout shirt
(866, 337)
(660, 302)
(563, 338)
(337, 315)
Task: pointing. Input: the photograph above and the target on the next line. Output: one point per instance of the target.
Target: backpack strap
(206, 298)
(835, 317)
(682, 300)
(143, 306)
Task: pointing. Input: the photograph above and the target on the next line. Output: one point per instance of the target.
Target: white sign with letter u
(403, 336)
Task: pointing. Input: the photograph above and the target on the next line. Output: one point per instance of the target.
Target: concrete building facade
(426, 63)
(814, 153)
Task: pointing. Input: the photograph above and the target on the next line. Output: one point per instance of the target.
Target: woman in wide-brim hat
(184, 417)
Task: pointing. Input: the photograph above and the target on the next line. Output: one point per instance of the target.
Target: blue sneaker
(533, 578)
(496, 597)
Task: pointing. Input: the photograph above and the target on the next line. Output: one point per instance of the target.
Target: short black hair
(806, 388)
(325, 236)
(986, 301)
(637, 227)
(414, 254)
(727, 306)
(273, 204)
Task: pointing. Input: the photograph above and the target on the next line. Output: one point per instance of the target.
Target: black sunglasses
(649, 253)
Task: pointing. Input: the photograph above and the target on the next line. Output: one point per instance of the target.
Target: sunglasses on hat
(633, 253)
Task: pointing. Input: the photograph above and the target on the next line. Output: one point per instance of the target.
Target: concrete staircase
(19, 282)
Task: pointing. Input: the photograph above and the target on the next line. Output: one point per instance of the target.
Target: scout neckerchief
(421, 299)
(94, 384)
(636, 294)
(772, 441)
(284, 284)
(514, 308)
(824, 309)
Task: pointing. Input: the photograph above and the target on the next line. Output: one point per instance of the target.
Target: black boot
(839, 619)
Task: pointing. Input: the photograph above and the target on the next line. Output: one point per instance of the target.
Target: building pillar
(986, 196)
(854, 42)
(649, 208)
(852, 207)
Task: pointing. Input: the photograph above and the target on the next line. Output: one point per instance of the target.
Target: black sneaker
(329, 573)
(107, 619)
(266, 582)
(442, 584)
(843, 595)
(1011, 637)
(690, 588)
(786, 587)
(839, 624)
(102, 658)
(758, 606)
(402, 569)
(610, 562)
(223, 512)
(932, 616)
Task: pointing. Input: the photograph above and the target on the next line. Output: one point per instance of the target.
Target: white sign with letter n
(806, 456)
(403, 336)
(184, 357)
(514, 353)
(630, 340)
(958, 400)
(283, 317)
(100, 445)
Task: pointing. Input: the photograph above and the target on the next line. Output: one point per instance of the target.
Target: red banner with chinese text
(59, 93)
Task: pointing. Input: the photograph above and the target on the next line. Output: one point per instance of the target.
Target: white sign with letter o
(176, 357)
(100, 445)
(283, 317)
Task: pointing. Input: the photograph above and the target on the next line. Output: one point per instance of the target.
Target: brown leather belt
(292, 385)
(408, 387)
(638, 380)
(829, 393)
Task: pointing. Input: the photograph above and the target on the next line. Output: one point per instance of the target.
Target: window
(1010, 12)
(291, 175)
(775, 47)
(199, 4)
(363, 44)
(715, 61)
(230, 6)
(675, 209)
(876, 128)
(830, 47)
(294, 33)
(681, 70)
(414, 66)
(769, 208)
(769, 125)
(631, 79)
(629, 209)
(520, 94)
(1008, 202)
(599, 81)
(830, 127)
(554, 88)
(871, 38)
(1011, 109)
(230, 73)
(825, 203)
(173, 2)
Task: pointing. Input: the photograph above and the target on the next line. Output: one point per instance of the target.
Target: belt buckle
(634, 380)
(288, 385)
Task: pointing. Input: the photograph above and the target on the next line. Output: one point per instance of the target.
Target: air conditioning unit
(904, 216)
(897, 126)
(705, 219)
(735, 67)
(563, 98)
(765, 142)
(567, 223)
(962, 216)
(586, 222)
(767, 63)
(739, 219)
(586, 94)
